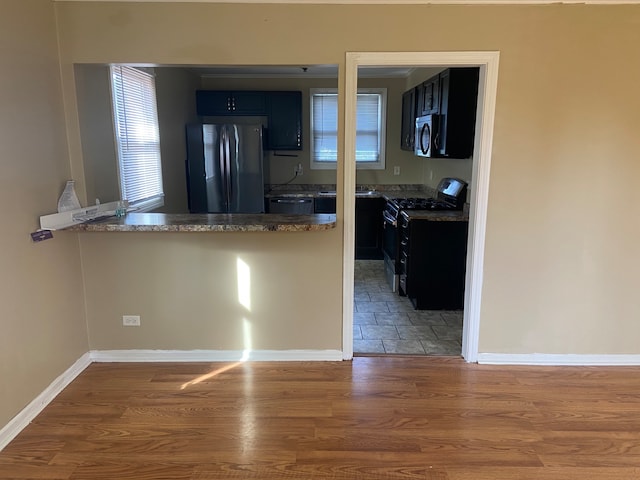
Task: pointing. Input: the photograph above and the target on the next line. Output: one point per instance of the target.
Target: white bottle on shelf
(68, 200)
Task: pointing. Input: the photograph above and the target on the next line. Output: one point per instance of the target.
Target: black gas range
(451, 194)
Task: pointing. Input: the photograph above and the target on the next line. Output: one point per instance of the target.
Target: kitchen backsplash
(328, 186)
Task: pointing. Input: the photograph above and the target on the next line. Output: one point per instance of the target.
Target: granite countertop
(377, 191)
(384, 193)
(167, 222)
(438, 215)
(388, 194)
(293, 194)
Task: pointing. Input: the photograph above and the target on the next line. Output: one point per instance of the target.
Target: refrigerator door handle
(229, 186)
(223, 173)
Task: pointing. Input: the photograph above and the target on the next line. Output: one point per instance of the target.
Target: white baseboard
(557, 359)
(213, 355)
(22, 419)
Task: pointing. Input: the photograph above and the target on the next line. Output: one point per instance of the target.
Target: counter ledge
(213, 222)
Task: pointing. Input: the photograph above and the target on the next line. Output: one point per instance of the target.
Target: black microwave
(427, 136)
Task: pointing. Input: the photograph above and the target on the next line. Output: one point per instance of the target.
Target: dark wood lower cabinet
(324, 205)
(368, 224)
(369, 228)
(433, 260)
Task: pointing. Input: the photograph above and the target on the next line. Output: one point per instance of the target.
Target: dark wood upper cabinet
(217, 102)
(452, 95)
(457, 112)
(285, 121)
(283, 110)
(428, 97)
(408, 127)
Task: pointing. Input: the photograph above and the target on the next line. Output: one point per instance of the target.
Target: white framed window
(137, 134)
(371, 114)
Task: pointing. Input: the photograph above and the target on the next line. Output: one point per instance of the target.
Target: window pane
(368, 127)
(137, 135)
(325, 127)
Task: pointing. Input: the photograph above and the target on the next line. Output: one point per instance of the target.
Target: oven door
(389, 236)
(427, 136)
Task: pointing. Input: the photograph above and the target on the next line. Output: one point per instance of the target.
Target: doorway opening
(478, 187)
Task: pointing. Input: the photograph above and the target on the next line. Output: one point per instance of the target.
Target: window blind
(368, 127)
(368, 117)
(137, 134)
(325, 127)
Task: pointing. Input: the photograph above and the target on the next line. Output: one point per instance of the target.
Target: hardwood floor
(430, 418)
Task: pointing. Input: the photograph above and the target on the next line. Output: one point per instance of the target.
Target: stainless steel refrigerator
(225, 168)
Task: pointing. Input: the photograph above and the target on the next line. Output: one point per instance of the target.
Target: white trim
(214, 355)
(488, 62)
(349, 201)
(553, 359)
(31, 411)
(487, 94)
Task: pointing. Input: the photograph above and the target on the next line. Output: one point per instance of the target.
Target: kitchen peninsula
(165, 222)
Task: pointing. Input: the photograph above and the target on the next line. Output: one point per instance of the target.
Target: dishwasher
(299, 205)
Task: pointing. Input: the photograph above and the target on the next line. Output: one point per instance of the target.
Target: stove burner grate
(421, 204)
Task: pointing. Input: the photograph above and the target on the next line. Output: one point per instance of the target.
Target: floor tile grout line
(376, 289)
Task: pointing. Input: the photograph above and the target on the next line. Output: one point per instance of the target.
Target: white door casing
(487, 92)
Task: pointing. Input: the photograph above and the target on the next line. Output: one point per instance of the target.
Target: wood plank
(420, 418)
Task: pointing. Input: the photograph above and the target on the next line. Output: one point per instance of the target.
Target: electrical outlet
(131, 320)
(297, 170)
(396, 170)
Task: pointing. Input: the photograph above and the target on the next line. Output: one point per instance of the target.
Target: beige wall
(97, 131)
(42, 325)
(173, 86)
(560, 269)
(186, 288)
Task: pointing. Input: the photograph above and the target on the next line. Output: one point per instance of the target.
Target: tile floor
(386, 323)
